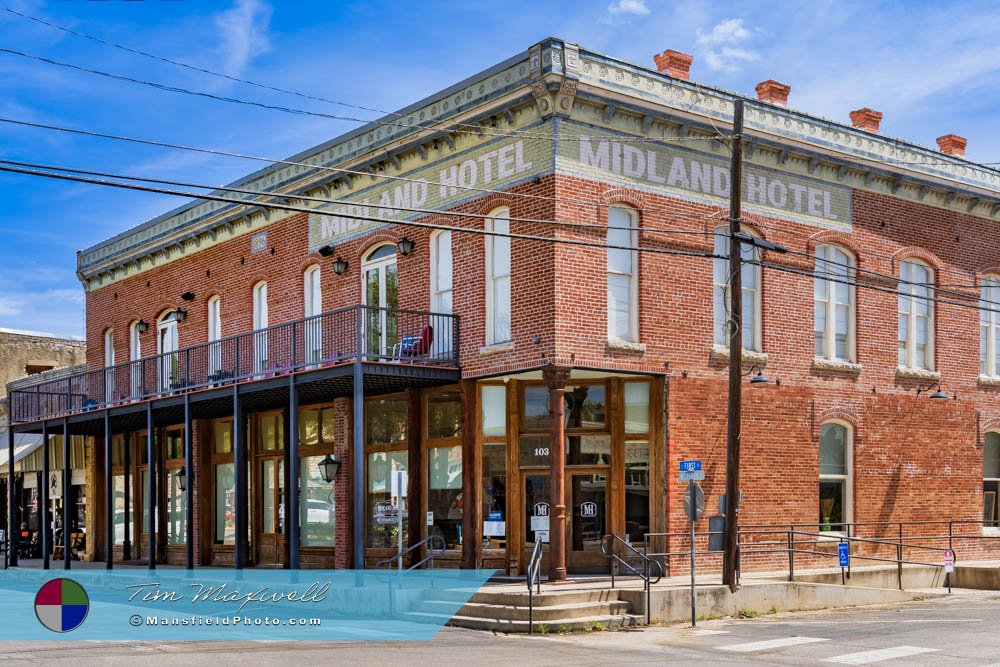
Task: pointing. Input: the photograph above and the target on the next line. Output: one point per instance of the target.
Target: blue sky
(932, 69)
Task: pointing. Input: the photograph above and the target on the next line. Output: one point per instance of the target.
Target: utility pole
(735, 324)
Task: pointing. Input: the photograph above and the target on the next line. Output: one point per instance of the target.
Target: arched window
(312, 307)
(167, 343)
(623, 274)
(380, 292)
(214, 335)
(260, 352)
(991, 479)
(441, 290)
(751, 334)
(134, 357)
(834, 304)
(498, 278)
(109, 362)
(989, 327)
(835, 477)
(916, 315)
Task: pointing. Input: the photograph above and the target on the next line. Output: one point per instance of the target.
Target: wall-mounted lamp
(180, 315)
(759, 378)
(182, 478)
(328, 468)
(141, 326)
(188, 296)
(938, 395)
(405, 246)
(326, 251)
(339, 266)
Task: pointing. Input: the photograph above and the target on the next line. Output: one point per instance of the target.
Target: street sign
(691, 475)
(689, 466)
(844, 554)
(694, 511)
(949, 561)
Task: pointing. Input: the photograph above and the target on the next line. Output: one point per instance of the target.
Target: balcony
(403, 347)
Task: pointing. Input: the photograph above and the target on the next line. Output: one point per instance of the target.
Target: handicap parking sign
(844, 554)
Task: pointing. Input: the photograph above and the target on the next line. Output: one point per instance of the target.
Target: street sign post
(844, 556)
(949, 566)
(694, 508)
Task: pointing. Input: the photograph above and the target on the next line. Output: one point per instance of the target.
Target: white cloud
(722, 48)
(636, 7)
(243, 33)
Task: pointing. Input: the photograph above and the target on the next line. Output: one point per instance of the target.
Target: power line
(338, 170)
(479, 130)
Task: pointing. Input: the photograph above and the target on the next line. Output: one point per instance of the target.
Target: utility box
(716, 527)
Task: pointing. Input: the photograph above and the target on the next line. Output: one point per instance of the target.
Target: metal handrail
(534, 579)
(647, 563)
(429, 558)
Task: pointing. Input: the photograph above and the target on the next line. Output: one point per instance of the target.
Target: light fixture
(339, 266)
(188, 296)
(405, 246)
(328, 468)
(938, 394)
(759, 378)
(182, 478)
(326, 251)
(180, 315)
(141, 326)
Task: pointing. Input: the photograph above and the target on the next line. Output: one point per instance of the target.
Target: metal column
(126, 515)
(46, 517)
(188, 485)
(150, 487)
(67, 534)
(13, 528)
(240, 463)
(109, 497)
(358, 456)
(292, 521)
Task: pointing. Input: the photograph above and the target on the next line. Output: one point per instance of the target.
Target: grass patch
(746, 612)
(543, 629)
(597, 626)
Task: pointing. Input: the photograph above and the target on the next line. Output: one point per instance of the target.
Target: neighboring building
(891, 285)
(28, 352)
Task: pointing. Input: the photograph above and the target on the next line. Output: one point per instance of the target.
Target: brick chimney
(952, 144)
(674, 63)
(774, 92)
(866, 119)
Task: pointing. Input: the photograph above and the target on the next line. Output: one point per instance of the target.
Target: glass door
(381, 296)
(167, 348)
(586, 520)
(270, 538)
(536, 491)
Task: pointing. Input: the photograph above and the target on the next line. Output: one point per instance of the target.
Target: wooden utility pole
(735, 324)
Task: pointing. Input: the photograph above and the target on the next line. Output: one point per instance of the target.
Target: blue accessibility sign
(690, 466)
(844, 554)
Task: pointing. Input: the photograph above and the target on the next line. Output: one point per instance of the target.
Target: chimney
(952, 144)
(674, 63)
(866, 119)
(774, 92)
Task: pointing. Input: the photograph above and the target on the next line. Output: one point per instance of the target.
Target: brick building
(518, 299)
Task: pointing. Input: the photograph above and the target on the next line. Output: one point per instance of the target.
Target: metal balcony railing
(352, 334)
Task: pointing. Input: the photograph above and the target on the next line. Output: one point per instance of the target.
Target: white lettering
(594, 158)
(487, 162)
(677, 175)
(720, 181)
(385, 206)
(467, 174)
(701, 177)
(448, 180)
(401, 195)
(634, 163)
(651, 168)
(799, 190)
(616, 157)
(777, 194)
(827, 213)
(504, 160)
(519, 163)
(815, 202)
(756, 189)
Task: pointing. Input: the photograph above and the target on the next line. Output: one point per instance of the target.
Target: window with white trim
(109, 362)
(834, 304)
(214, 335)
(260, 351)
(989, 327)
(835, 473)
(312, 307)
(916, 315)
(751, 274)
(441, 290)
(498, 278)
(134, 356)
(991, 479)
(623, 264)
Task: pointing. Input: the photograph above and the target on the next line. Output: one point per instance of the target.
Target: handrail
(431, 553)
(644, 574)
(534, 579)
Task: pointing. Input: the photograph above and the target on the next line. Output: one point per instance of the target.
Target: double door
(587, 516)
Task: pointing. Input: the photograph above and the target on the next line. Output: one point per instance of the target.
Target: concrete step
(581, 624)
(545, 598)
(546, 613)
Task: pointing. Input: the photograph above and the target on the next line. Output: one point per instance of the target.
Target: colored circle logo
(61, 605)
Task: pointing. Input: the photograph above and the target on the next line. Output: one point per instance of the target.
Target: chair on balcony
(414, 347)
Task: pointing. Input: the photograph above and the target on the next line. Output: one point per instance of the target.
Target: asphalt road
(961, 630)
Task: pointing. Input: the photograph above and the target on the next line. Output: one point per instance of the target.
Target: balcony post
(46, 517)
(358, 449)
(556, 378)
(189, 478)
(67, 528)
(292, 520)
(13, 528)
(240, 463)
(151, 487)
(126, 520)
(109, 497)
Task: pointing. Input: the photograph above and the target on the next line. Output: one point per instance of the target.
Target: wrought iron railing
(355, 333)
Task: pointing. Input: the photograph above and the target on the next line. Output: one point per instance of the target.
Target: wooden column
(556, 378)
(415, 476)
(472, 472)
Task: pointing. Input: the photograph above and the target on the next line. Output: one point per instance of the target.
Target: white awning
(24, 444)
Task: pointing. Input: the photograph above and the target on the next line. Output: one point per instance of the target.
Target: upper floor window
(623, 261)
(260, 347)
(498, 278)
(916, 315)
(313, 306)
(835, 484)
(751, 334)
(989, 327)
(109, 361)
(834, 303)
(991, 479)
(134, 355)
(214, 335)
(441, 272)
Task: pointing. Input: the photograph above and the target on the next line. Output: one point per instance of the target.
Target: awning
(24, 444)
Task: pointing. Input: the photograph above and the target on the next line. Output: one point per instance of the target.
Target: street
(960, 630)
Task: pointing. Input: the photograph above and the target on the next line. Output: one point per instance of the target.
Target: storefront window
(494, 494)
(536, 507)
(120, 495)
(444, 493)
(385, 421)
(316, 425)
(584, 406)
(225, 503)
(533, 450)
(444, 415)
(272, 433)
(316, 505)
(494, 411)
(636, 489)
(175, 444)
(637, 407)
(385, 498)
(222, 436)
(834, 477)
(175, 510)
(536, 408)
(588, 450)
(991, 479)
